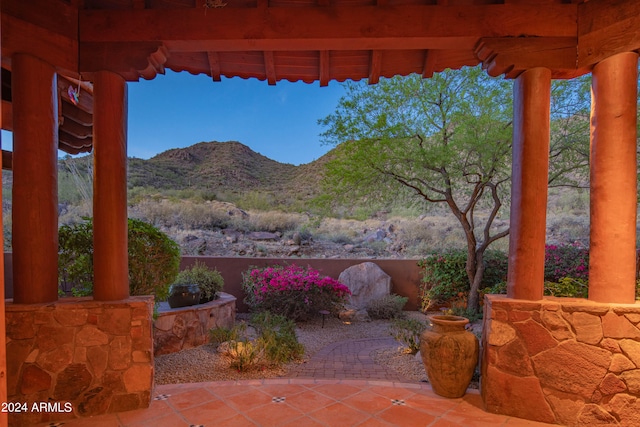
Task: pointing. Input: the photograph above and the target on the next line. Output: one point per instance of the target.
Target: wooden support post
(530, 170)
(612, 254)
(110, 260)
(4, 419)
(35, 177)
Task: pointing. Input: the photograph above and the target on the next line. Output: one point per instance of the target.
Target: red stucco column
(111, 274)
(35, 180)
(529, 183)
(612, 255)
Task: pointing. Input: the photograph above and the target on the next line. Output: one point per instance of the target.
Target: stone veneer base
(186, 327)
(562, 360)
(78, 357)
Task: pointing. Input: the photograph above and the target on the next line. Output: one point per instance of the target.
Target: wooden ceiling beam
(375, 67)
(511, 56)
(604, 30)
(214, 65)
(325, 75)
(326, 28)
(430, 57)
(270, 67)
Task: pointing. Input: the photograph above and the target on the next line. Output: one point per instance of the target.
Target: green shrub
(209, 281)
(75, 260)
(444, 276)
(567, 287)
(153, 257)
(387, 307)
(408, 331)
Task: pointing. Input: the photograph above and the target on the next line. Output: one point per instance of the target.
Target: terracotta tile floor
(300, 402)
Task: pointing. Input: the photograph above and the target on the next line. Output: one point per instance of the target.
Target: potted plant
(209, 281)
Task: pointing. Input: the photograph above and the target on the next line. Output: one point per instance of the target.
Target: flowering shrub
(292, 291)
(566, 261)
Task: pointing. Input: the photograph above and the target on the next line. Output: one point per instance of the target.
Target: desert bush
(275, 344)
(209, 281)
(566, 261)
(185, 215)
(292, 291)
(407, 331)
(219, 335)
(387, 307)
(278, 335)
(272, 221)
(154, 259)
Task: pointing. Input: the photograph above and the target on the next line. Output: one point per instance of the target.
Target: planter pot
(184, 296)
(450, 355)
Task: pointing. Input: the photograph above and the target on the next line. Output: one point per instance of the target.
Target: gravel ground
(205, 364)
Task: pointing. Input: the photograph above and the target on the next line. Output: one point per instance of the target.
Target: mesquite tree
(446, 139)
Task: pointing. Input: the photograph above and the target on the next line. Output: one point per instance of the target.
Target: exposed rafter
(375, 67)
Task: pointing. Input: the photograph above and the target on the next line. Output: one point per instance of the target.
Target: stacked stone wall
(78, 357)
(187, 327)
(566, 361)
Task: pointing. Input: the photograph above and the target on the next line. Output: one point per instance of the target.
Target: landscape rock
(262, 235)
(353, 314)
(367, 282)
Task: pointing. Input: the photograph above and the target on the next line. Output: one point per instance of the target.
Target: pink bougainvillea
(292, 291)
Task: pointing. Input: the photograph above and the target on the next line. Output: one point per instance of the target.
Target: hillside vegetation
(215, 198)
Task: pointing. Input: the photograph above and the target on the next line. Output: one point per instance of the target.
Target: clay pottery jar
(183, 295)
(450, 355)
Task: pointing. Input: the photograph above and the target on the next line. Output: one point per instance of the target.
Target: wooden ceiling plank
(314, 28)
(71, 112)
(214, 65)
(429, 66)
(85, 99)
(270, 67)
(325, 75)
(375, 66)
(76, 129)
(74, 142)
(604, 30)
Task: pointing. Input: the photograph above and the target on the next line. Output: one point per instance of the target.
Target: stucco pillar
(612, 255)
(111, 274)
(529, 184)
(35, 180)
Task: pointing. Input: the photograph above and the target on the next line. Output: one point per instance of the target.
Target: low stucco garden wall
(562, 360)
(84, 357)
(186, 327)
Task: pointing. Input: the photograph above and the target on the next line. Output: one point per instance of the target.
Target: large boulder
(367, 282)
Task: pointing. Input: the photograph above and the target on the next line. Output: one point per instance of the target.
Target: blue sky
(179, 109)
